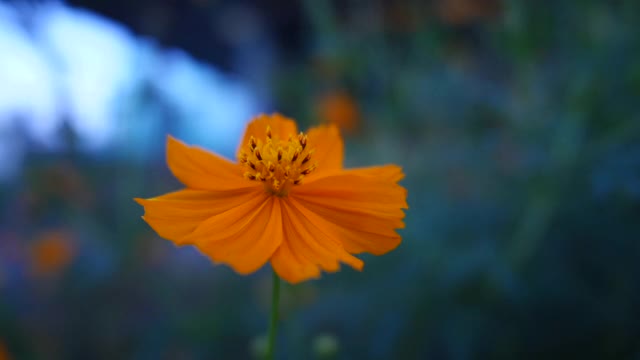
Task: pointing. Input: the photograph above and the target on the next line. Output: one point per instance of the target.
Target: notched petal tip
(295, 278)
(358, 265)
(406, 204)
(298, 280)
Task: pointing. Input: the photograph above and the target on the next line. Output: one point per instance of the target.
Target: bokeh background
(517, 123)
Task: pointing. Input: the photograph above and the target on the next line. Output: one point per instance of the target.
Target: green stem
(273, 325)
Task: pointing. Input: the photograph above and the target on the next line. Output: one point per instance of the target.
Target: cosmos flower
(4, 352)
(340, 109)
(51, 253)
(287, 200)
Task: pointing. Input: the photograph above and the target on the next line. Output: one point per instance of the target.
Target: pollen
(278, 163)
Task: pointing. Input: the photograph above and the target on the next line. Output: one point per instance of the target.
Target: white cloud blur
(92, 59)
(71, 65)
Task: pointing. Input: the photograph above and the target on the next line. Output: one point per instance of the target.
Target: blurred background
(517, 123)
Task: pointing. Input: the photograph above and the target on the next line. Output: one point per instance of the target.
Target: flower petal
(281, 128)
(176, 215)
(392, 173)
(312, 242)
(305, 249)
(290, 267)
(329, 149)
(361, 207)
(200, 169)
(244, 237)
(302, 243)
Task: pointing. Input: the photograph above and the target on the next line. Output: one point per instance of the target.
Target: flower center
(279, 164)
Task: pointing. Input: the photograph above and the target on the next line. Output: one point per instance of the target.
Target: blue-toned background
(517, 123)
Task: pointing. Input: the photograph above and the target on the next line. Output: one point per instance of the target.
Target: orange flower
(4, 352)
(287, 201)
(51, 253)
(462, 12)
(340, 109)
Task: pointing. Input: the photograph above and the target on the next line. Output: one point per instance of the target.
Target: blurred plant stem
(273, 326)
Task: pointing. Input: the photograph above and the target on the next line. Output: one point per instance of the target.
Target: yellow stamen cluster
(278, 163)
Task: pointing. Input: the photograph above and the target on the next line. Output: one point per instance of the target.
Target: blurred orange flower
(461, 12)
(340, 109)
(287, 200)
(4, 352)
(52, 252)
